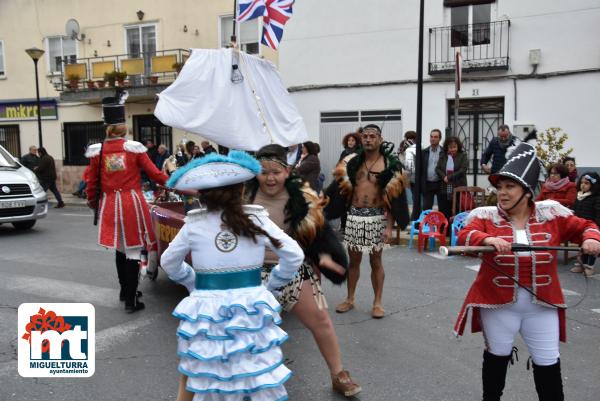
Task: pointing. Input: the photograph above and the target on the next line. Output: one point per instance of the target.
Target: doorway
(149, 128)
(478, 122)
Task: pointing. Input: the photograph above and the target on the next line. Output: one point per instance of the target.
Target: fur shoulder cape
(304, 214)
(391, 180)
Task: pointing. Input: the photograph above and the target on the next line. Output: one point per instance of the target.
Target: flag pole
(457, 77)
(234, 22)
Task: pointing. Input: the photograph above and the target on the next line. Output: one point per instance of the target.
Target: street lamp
(35, 55)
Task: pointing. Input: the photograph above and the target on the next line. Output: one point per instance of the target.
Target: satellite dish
(72, 29)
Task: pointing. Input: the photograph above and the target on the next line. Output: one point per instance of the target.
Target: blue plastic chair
(414, 226)
(457, 224)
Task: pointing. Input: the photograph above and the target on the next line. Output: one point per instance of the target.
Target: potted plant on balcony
(110, 77)
(153, 79)
(178, 66)
(120, 77)
(91, 84)
(101, 83)
(73, 80)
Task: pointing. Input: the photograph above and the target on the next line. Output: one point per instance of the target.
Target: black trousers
(128, 271)
(432, 189)
(445, 204)
(52, 187)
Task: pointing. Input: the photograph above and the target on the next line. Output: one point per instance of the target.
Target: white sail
(245, 115)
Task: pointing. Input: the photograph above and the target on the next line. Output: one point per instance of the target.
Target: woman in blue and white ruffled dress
(228, 338)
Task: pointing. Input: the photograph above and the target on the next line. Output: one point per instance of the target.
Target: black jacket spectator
(30, 161)
(309, 166)
(497, 153)
(588, 208)
(46, 170)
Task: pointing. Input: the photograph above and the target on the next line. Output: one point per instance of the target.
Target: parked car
(22, 199)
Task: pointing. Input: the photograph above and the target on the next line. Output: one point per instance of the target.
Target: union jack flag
(250, 9)
(275, 14)
(279, 11)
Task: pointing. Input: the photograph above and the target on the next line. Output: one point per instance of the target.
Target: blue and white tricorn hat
(214, 170)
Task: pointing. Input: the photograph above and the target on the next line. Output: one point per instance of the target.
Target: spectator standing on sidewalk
(46, 174)
(161, 156)
(309, 166)
(432, 182)
(452, 167)
(31, 160)
(151, 150)
(406, 154)
(351, 143)
(496, 150)
(207, 147)
(293, 154)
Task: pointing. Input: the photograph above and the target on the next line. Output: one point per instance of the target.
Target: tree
(551, 146)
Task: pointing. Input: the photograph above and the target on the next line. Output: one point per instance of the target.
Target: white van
(22, 199)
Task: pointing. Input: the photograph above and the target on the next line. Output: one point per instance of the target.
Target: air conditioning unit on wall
(522, 129)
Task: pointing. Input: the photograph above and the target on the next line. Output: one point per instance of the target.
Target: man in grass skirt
(371, 181)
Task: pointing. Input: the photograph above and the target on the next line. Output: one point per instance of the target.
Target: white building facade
(524, 62)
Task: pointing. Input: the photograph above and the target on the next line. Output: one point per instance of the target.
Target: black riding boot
(131, 274)
(548, 382)
(494, 375)
(121, 262)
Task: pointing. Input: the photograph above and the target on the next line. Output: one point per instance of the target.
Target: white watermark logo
(56, 340)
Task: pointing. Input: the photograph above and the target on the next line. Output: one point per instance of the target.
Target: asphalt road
(411, 354)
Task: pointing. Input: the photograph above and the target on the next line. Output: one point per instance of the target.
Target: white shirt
(214, 249)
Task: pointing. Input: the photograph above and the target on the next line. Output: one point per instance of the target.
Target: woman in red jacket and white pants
(521, 292)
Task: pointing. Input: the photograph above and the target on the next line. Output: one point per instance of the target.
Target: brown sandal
(378, 312)
(344, 306)
(342, 383)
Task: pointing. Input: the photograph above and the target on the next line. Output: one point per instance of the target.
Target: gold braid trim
(394, 188)
(307, 230)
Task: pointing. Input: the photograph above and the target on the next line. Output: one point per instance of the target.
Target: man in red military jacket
(114, 190)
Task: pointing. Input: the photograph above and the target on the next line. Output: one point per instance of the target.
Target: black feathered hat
(113, 108)
(523, 166)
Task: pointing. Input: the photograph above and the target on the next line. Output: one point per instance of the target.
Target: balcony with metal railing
(483, 47)
(143, 75)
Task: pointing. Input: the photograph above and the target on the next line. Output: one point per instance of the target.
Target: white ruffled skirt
(229, 344)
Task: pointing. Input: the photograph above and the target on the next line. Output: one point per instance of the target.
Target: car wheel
(24, 225)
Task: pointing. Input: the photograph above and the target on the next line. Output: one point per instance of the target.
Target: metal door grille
(148, 127)
(478, 122)
(10, 139)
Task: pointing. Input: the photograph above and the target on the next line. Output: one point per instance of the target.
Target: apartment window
(10, 139)
(248, 35)
(78, 136)
(61, 50)
(470, 22)
(141, 42)
(2, 70)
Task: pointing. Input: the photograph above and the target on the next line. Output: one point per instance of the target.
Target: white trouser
(537, 324)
